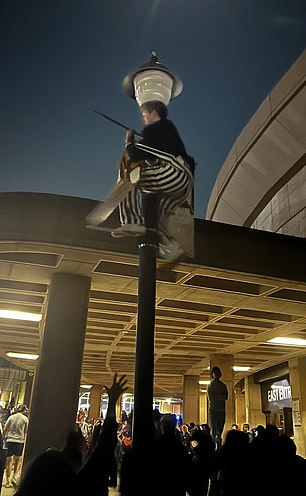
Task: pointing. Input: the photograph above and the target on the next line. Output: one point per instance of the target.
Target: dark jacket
(163, 136)
(217, 395)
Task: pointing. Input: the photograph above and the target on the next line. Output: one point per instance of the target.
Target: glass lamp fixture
(152, 81)
(151, 86)
(16, 315)
(25, 356)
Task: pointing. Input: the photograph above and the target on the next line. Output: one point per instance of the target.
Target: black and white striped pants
(171, 179)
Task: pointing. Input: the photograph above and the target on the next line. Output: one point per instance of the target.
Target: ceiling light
(288, 341)
(238, 368)
(25, 356)
(204, 382)
(16, 315)
(203, 390)
(86, 386)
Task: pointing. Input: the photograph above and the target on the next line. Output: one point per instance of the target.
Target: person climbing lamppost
(165, 187)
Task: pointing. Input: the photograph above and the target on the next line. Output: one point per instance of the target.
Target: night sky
(63, 59)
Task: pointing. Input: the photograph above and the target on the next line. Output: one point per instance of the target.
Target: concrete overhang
(243, 288)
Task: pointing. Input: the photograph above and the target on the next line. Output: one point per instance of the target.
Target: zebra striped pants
(173, 181)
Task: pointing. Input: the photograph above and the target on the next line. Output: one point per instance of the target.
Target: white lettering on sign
(279, 393)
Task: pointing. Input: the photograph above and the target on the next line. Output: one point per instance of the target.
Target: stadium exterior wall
(262, 183)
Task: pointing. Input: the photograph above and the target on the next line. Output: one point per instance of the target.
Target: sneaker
(129, 230)
(170, 251)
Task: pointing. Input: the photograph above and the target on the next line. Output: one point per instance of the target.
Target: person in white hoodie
(14, 433)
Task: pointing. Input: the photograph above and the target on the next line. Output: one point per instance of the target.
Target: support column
(297, 373)
(225, 363)
(57, 380)
(191, 399)
(203, 408)
(28, 389)
(119, 408)
(240, 414)
(95, 398)
(253, 405)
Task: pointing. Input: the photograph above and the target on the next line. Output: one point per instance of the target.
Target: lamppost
(151, 81)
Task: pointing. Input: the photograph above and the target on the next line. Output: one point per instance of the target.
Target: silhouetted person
(233, 470)
(54, 472)
(171, 460)
(272, 453)
(2, 455)
(247, 430)
(295, 482)
(166, 464)
(203, 448)
(217, 395)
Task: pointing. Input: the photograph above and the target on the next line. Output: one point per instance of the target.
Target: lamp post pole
(151, 81)
(144, 362)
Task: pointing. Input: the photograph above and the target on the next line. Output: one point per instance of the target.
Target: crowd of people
(185, 460)
(181, 459)
(80, 467)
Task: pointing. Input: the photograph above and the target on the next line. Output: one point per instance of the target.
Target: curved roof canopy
(243, 288)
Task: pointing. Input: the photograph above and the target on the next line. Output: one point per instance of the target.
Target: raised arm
(93, 477)
(114, 392)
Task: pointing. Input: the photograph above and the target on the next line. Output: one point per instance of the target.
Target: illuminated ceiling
(201, 308)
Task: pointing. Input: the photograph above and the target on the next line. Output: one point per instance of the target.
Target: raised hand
(116, 389)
